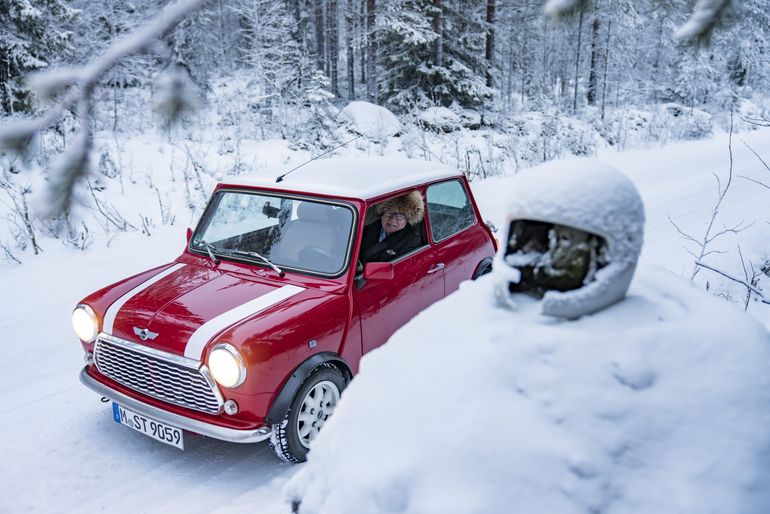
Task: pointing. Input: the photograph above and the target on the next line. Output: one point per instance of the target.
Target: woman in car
(396, 234)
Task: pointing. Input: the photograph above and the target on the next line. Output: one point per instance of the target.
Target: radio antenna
(280, 178)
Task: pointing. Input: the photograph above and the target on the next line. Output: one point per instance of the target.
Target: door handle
(436, 268)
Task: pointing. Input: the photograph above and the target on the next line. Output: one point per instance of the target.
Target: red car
(253, 332)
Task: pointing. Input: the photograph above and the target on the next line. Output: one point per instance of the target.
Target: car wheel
(311, 407)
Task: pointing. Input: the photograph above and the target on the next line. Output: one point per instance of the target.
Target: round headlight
(85, 323)
(227, 366)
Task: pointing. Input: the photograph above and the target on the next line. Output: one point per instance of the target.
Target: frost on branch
(555, 9)
(74, 87)
(67, 170)
(705, 16)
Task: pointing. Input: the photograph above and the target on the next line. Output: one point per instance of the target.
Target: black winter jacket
(393, 246)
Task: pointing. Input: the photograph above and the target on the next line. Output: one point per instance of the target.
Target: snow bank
(658, 404)
(370, 120)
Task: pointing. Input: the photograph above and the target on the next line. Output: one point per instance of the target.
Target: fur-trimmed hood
(412, 205)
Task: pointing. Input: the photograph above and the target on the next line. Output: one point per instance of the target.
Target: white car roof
(350, 177)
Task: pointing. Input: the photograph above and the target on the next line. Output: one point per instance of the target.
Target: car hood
(181, 308)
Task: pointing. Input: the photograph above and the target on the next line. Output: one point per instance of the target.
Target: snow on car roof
(355, 178)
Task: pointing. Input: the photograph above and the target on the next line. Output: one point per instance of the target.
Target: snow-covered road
(60, 449)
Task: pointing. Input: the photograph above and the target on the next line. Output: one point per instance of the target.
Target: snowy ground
(60, 449)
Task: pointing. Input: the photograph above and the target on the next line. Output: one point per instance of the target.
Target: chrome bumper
(199, 427)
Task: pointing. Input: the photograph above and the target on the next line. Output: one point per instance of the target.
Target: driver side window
(395, 227)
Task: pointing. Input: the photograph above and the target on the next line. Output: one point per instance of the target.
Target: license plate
(148, 426)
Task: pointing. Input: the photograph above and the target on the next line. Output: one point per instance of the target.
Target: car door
(387, 304)
(458, 239)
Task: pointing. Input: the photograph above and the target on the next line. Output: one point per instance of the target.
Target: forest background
(487, 86)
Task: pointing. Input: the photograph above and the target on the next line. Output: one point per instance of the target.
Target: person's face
(393, 221)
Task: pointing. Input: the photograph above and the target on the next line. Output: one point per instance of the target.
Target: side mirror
(270, 211)
(189, 235)
(378, 270)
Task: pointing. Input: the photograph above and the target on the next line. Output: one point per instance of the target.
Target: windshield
(288, 232)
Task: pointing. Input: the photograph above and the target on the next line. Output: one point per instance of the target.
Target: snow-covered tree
(433, 52)
(33, 35)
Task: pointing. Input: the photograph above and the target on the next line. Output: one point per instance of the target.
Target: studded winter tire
(311, 407)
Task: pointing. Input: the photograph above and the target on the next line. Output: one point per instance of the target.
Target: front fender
(280, 406)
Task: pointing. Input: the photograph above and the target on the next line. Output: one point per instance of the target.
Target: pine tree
(33, 35)
(434, 53)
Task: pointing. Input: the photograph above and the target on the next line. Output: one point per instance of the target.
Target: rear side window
(449, 209)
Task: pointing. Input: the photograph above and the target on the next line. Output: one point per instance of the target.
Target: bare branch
(755, 181)
(756, 154)
(756, 121)
(683, 234)
(730, 277)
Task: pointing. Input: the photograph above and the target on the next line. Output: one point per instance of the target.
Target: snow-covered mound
(370, 120)
(440, 118)
(658, 404)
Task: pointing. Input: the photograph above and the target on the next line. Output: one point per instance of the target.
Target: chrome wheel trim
(316, 407)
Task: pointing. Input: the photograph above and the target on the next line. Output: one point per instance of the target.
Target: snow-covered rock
(370, 120)
(658, 404)
(439, 118)
(470, 119)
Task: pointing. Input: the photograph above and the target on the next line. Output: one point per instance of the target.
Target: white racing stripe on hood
(112, 312)
(205, 332)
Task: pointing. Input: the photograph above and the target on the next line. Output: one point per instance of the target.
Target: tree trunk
(320, 43)
(577, 62)
(5, 79)
(591, 93)
(371, 53)
(301, 36)
(606, 60)
(544, 82)
(351, 64)
(334, 50)
(438, 22)
(656, 62)
(489, 52)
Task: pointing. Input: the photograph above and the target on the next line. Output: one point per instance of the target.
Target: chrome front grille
(158, 374)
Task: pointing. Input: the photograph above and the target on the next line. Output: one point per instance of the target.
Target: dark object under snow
(573, 238)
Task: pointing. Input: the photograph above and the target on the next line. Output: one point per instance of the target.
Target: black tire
(483, 268)
(286, 440)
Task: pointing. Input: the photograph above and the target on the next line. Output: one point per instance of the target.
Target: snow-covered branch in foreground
(742, 282)
(555, 9)
(705, 16)
(74, 86)
(699, 26)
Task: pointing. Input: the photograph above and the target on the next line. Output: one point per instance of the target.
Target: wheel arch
(485, 264)
(282, 402)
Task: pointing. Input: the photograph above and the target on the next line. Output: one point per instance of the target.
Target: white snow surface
(658, 404)
(370, 120)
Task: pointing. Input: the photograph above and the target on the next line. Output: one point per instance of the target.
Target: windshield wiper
(210, 249)
(261, 257)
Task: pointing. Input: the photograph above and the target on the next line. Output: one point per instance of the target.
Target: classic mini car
(255, 329)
